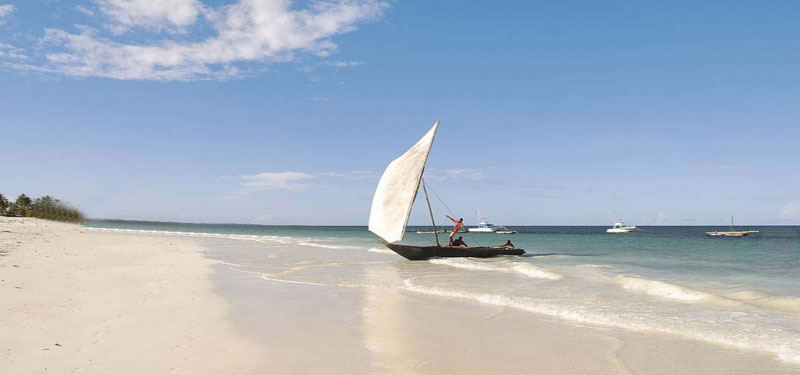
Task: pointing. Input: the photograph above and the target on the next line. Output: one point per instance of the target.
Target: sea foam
(526, 269)
(660, 289)
(780, 303)
(299, 241)
(782, 345)
(324, 246)
(380, 250)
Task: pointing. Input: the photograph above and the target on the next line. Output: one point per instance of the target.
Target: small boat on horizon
(620, 227)
(731, 233)
(428, 231)
(484, 226)
(394, 197)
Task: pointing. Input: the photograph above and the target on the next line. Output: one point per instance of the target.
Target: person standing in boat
(459, 224)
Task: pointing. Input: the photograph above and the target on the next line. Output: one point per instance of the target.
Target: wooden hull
(426, 252)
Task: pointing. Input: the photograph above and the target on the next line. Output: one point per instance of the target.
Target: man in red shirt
(459, 225)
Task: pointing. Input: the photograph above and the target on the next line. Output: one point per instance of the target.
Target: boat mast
(435, 230)
(731, 223)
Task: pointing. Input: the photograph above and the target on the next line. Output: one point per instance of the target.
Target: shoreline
(394, 331)
(120, 301)
(398, 330)
(74, 301)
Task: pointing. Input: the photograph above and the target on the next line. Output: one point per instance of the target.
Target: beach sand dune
(73, 301)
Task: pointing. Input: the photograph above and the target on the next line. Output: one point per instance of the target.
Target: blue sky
(276, 112)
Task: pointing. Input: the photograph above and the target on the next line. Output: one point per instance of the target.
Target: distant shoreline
(156, 222)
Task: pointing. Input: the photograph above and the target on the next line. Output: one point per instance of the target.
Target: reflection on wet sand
(385, 314)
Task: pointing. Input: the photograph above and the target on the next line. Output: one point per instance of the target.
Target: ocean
(741, 293)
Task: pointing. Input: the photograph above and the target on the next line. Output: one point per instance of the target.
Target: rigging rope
(467, 233)
(440, 200)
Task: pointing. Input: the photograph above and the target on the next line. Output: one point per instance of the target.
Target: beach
(162, 298)
(94, 303)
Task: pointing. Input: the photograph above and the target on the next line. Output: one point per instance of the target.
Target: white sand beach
(92, 303)
(88, 301)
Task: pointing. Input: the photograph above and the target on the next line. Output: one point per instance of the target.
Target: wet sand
(319, 328)
(76, 300)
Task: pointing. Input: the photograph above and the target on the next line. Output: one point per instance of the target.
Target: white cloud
(263, 219)
(277, 180)
(727, 167)
(150, 14)
(457, 174)
(290, 180)
(354, 175)
(320, 98)
(244, 33)
(11, 52)
(342, 64)
(305, 68)
(84, 10)
(5, 10)
(790, 212)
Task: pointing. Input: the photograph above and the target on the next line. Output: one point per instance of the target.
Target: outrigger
(394, 198)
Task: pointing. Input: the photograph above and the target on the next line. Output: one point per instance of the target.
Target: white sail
(391, 205)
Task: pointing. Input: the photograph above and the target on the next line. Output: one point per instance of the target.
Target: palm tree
(45, 207)
(4, 204)
(22, 205)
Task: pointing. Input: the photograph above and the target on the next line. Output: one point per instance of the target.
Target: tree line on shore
(45, 207)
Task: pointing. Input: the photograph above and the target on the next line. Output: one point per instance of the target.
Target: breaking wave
(299, 241)
(381, 251)
(535, 272)
(526, 269)
(671, 291)
(324, 246)
(660, 289)
(252, 237)
(780, 303)
(783, 345)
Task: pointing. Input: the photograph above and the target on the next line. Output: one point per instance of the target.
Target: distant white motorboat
(484, 226)
(620, 227)
(731, 233)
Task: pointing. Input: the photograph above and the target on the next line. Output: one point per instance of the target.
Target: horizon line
(364, 225)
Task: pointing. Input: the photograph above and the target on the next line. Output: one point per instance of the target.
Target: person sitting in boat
(459, 225)
(459, 242)
(509, 245)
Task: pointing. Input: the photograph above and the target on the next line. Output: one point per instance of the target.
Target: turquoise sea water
(736, 292)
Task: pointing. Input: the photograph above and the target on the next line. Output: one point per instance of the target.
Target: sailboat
(394, 198)
(731, 233)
